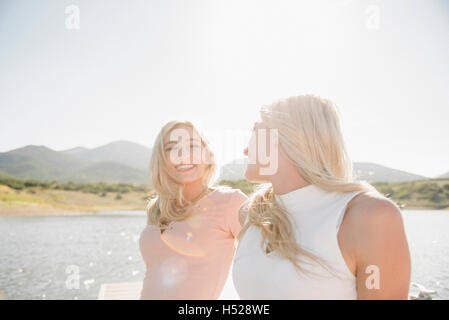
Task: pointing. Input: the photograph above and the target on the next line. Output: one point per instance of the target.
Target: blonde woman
(312, 231)
(188, 244)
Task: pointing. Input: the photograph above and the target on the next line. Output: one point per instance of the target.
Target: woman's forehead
(182, 134)
(182, 141)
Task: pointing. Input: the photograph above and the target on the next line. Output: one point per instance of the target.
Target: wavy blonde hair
(169, 204)
(309, 131)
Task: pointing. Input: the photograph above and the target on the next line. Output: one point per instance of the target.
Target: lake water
(39, 254)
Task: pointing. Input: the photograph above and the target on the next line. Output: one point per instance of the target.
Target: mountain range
(370, 172)
(128, 162)
(119, 161)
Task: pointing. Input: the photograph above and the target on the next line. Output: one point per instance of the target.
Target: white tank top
(317, 214)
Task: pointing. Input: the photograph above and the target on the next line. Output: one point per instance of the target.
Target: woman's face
(183, 150)
(263, 154)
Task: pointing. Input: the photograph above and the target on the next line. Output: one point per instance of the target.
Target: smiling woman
(188, 244)
(183, 151)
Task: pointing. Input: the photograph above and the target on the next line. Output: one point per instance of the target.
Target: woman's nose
(245, 151)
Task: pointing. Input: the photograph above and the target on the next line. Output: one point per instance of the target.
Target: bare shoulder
(243, 211)
(371, 216)
(147, 233)
(368, 208)
(239, 196)
(226, 193)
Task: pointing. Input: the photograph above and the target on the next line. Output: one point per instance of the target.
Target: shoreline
(25, 211)
(6, 211)
(55, 211)
(35, 202)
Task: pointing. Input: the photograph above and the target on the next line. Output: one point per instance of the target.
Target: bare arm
(380, 249)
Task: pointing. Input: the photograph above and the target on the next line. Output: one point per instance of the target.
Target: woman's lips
(185, 167)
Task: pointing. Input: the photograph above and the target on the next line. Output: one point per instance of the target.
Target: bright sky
(133, 65)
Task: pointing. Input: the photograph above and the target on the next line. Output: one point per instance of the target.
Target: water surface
(37, 252)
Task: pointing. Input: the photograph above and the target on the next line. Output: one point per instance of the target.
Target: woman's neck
(193, 190)
(286, 181)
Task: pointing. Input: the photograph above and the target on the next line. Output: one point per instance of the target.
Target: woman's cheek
(201, 170)
(196, 158)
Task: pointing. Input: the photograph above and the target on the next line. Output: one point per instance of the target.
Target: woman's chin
(252, 177)
(187, 178)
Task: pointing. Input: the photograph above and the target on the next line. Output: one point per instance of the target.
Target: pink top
(191, 259)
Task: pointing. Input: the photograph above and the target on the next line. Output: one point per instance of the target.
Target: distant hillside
(124, 152)
(123, 161)
(444, 176)
(370, 172)
(119, 161)
(234, 170)
(110, 172)
(75, 151)
(4, 175)
(39, 162)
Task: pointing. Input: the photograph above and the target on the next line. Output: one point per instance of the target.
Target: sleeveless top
(316, 215)
(191, 258)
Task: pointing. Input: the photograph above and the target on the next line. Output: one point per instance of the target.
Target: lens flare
(183, 244)
(173, 270)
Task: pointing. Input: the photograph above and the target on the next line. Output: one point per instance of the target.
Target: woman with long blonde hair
(312, 231)
(188, 244)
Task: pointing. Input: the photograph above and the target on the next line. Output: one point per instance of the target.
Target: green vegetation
(4, 175)
(30, 196)
(245, 186)
(423, 194)
(100, 188)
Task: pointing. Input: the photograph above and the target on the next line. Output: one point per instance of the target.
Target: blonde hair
(169, 204)
(309, 131)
